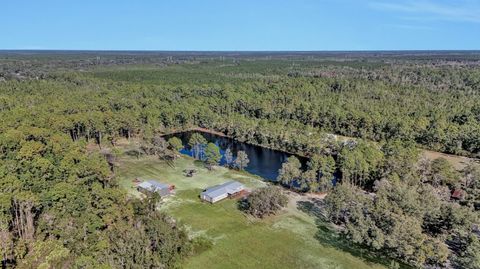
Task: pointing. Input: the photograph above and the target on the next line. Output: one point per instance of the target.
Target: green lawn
(291, 239)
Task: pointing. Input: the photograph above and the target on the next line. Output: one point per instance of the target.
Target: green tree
(443, 173)
(197, 143)
(471, 182)
(469, 257)
(47, 254)
(401, 158)
(212, 155)
(265, 201)
(158, 146)
(319, 174)
(360, 163)
(175, 143)
(326, 171)
(241, 162)
(290, 171)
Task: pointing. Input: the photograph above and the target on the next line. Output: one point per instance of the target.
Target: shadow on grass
(327, 234)
(133, 153)
(242, 205)
(198, 164)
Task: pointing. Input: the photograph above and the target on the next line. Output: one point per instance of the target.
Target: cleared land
(459, 162)
(296, 238)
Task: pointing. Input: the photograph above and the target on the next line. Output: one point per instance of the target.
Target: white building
(220, 192)
(154, 186)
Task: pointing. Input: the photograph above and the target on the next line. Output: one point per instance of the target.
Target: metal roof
(153, 185)
(225, 188)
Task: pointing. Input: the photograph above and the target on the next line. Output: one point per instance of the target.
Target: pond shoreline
(263, 161)
(213, 132)
(458, 161)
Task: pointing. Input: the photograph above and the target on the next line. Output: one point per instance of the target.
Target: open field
(459, 162)
(294, 238)
(150, 168)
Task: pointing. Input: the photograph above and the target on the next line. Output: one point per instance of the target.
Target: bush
(264, 201)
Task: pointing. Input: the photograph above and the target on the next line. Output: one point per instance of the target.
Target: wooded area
(61, 201)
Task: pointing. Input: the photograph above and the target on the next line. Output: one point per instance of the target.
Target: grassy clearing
(459, 162)
(291, 239)
(151, 168)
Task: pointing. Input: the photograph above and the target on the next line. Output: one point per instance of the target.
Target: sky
(240, 25)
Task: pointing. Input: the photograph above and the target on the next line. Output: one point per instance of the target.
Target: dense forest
(433, 103)
(61, 206)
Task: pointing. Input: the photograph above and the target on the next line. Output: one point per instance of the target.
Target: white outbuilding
(154, 186)
(220, 192)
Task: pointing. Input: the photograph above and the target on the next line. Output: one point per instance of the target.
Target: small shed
(222, 191)
(154, 186)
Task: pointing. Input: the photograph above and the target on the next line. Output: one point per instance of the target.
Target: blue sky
(240, 24)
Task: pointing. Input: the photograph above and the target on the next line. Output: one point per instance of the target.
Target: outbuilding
(222, 191)
(154, 186)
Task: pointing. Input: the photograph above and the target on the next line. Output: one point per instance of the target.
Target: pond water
(264, 162)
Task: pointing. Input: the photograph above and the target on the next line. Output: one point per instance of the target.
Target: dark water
(263, 162)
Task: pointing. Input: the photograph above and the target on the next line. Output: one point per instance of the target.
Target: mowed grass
(289, 240)
(147, 168)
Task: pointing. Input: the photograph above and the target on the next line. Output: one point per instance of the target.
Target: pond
(264, 162)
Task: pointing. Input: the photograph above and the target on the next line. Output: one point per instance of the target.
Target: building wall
(218, 198)
(239, 189)
(163, 192)
(206, 198)
(213, 199)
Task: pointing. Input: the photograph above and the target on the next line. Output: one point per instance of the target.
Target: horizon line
(244, 51)
(231, 53)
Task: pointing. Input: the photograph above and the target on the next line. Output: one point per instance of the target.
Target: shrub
(265, 201)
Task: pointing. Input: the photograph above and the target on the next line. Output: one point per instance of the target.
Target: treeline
(390, 199)
(60, 207)
(105, 111)
(59, 199)
(435, 106)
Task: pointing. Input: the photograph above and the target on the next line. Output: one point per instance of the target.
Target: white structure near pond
(220, 192)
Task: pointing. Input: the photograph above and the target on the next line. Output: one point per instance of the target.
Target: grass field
(292, 239)
(459, 162)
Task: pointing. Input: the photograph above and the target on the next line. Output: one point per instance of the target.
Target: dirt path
(294, 198)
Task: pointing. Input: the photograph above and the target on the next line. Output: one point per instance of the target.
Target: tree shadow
(329, 235)
(198, 163)
(314, 207)
(134, 153)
